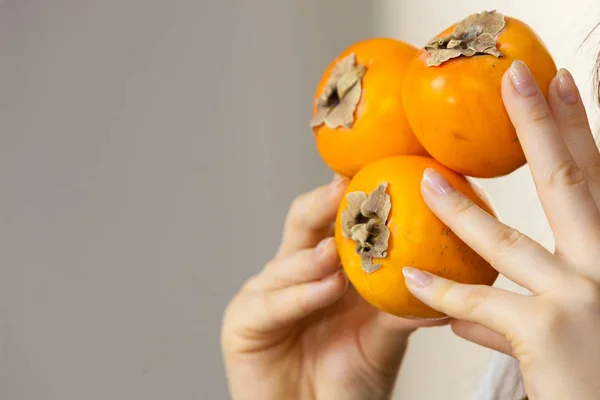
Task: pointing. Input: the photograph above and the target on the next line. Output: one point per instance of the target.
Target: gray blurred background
(148, 154)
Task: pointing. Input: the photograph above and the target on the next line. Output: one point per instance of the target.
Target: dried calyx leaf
(475, 35)
(337, 103)
(365, 222)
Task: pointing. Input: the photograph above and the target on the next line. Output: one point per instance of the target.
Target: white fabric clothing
(501, 381)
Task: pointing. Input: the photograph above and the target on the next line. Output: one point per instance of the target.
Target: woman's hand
(297, 330)
(555, 332)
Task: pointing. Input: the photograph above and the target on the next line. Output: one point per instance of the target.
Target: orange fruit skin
(418, 238)
(380, 127)
(456, 109)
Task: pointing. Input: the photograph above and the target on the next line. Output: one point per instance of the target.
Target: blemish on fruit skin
(458, 136)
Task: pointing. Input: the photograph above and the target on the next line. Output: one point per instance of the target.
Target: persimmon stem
(365, 222)
(475, 35)
(338, 101)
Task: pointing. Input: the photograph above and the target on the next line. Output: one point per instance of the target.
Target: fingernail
(335, 276)
(328, 287)
(337, 178)
(346, 280)
(340, 274)
(335, 182)
(436, 182)
(565, 85)
(416, 278)
(522, 79)
(322, 245)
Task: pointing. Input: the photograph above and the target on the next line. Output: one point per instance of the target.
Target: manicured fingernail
(322, 245)
(436, 182)
(522, 79)
(335, 182)
(565, 85)
(416, 278)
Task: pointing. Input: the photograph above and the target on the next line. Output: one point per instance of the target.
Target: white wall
(438, 364)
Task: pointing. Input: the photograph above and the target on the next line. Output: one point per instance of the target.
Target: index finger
(560, 183)
(311, 217)
(513, 254)
(493, 308)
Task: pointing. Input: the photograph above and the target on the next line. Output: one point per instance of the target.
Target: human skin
(555, 331)
(297, 330)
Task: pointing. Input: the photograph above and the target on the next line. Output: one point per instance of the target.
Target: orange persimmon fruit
(452, 93)
(358, 116)
(383, 224)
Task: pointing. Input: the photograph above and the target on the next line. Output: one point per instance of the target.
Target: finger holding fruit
(417, 240)
(447, 98)
(383, 224)
(419, 243)
(299, 323)
(555, 331)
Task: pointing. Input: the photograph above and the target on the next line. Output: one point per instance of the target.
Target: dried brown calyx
(337, 103)
(365, 222)
(475, 35)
